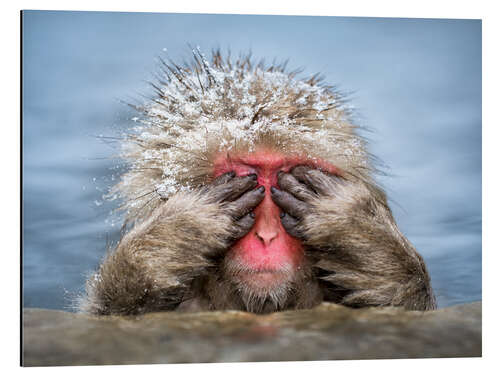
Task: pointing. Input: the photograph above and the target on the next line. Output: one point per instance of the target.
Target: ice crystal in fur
(227, 105)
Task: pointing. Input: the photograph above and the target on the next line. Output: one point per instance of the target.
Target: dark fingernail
(273, 189)
(262, 189)
(252, 215)
(282, 215)
(253, 176)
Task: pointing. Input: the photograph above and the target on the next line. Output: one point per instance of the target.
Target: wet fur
(174, 255)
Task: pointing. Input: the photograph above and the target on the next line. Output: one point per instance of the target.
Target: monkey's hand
(300, 189)
(155, 263)
(353, 240)
(237, 200)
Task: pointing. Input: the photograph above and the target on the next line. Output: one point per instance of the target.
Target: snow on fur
(225, 105)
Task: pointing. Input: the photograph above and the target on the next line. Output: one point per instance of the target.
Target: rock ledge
(329, 331)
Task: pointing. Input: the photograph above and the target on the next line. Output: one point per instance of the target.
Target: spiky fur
(174, 255)
(229, 106)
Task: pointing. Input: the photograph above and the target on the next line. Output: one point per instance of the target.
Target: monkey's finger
(299, 172)
(291, 225)
(240, 185)
(223, 178)
(322, 183)
(289, 183)
(243, 225)
(289, 203)
(234, 188)
(247, 202)
(220, 180)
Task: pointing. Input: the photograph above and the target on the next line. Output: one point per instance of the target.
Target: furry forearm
(156, 261)
(367, 256)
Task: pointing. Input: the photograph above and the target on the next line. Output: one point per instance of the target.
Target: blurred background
(415, 83)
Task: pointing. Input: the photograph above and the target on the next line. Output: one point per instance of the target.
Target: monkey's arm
(154, 264)
(354, 240)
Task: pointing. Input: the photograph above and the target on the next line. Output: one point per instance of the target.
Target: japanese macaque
(250, 189)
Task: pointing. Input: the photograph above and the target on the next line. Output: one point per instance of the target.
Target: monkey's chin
(260, 281)
(265, 282)
(264, 291)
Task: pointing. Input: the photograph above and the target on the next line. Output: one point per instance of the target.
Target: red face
(267, 256)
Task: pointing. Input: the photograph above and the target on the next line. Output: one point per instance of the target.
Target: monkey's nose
(266, 236)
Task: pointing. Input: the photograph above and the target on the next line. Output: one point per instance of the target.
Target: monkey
(250, 189)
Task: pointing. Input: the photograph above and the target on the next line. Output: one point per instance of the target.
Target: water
(416, 83)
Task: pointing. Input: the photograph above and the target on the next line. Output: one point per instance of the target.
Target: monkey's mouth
(261, 279)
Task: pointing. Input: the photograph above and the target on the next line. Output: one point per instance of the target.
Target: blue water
(416, 83)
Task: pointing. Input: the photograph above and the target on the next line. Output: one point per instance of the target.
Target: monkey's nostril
(266, 236)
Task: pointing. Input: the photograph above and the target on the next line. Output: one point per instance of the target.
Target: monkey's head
(209, 118)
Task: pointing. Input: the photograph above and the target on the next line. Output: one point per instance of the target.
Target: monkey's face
(267, 259)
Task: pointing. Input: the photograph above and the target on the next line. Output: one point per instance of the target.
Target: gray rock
(52, 338)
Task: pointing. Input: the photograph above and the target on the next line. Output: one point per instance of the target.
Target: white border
(380, 8)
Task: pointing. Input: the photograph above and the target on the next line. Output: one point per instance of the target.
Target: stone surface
(327, 332)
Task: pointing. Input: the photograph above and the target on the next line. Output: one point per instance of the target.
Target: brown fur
(363, 251)
(154, 264)
(174, 256)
